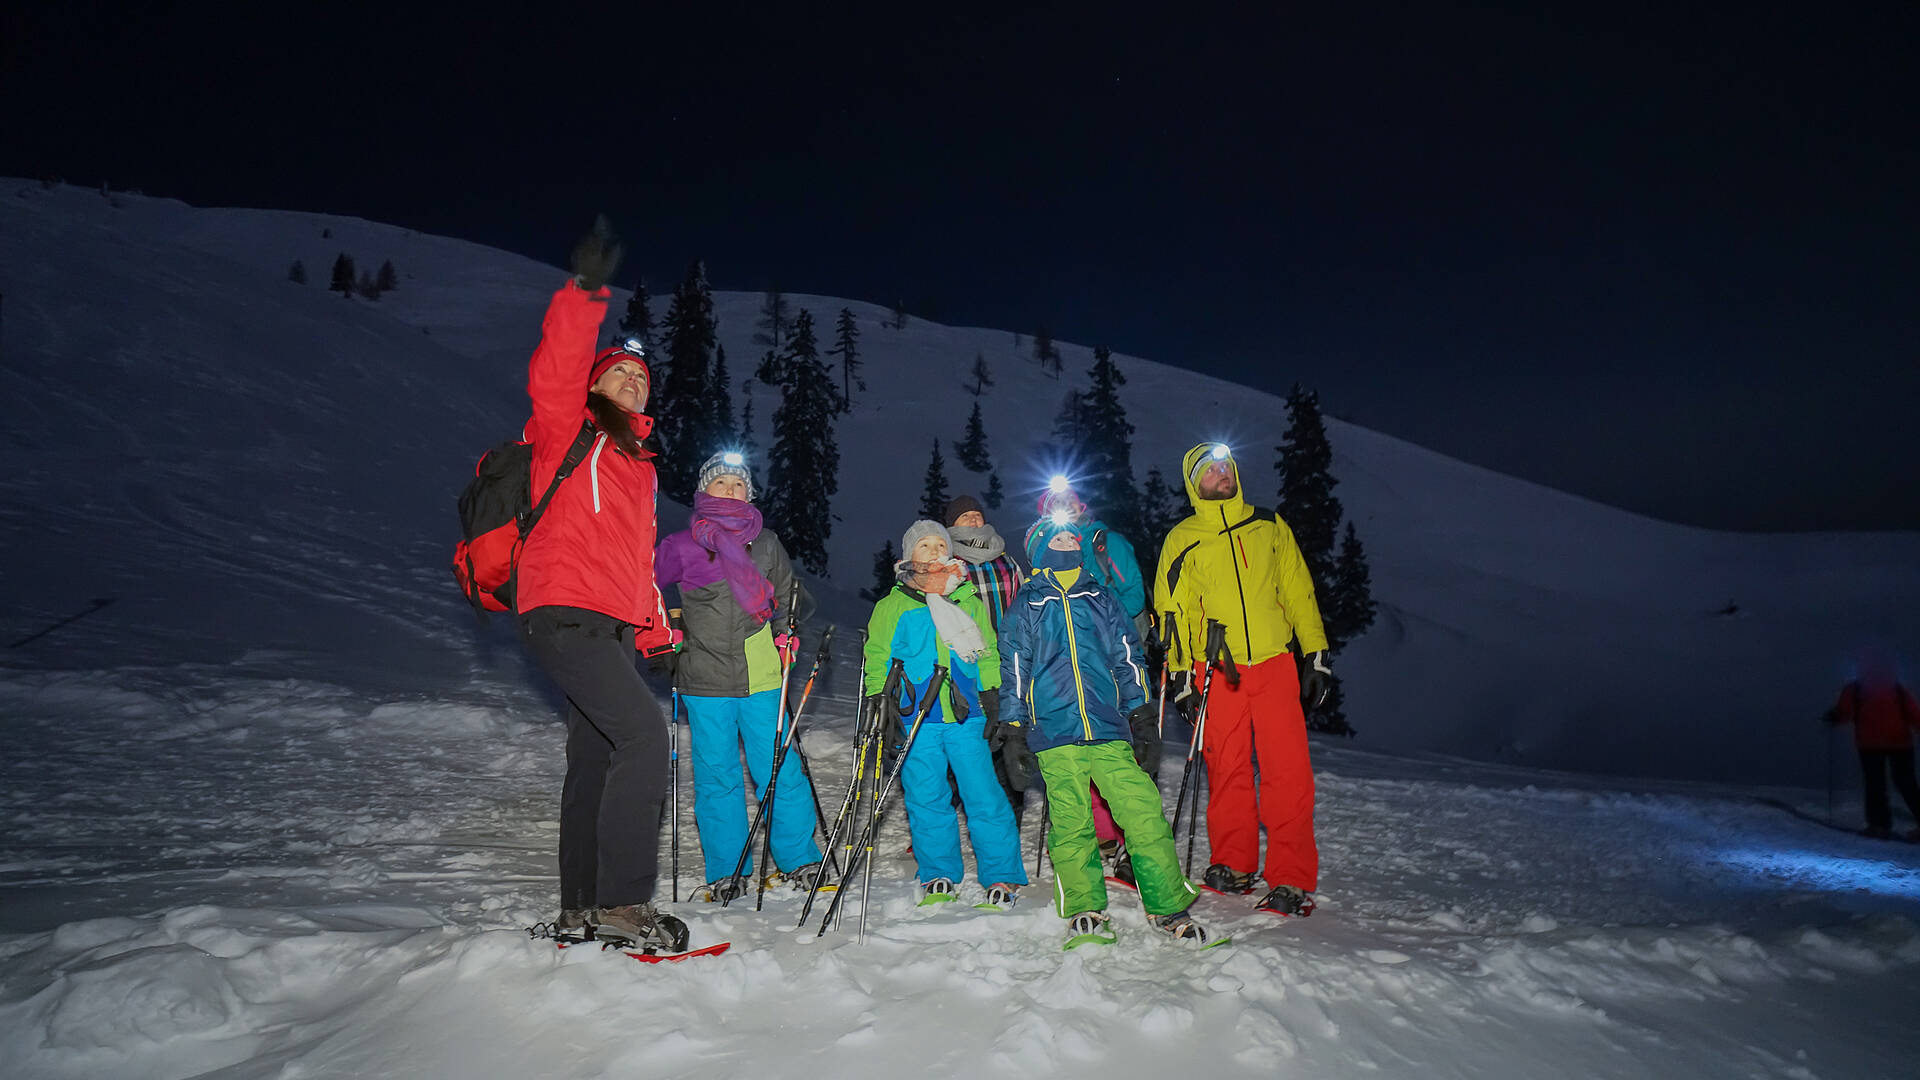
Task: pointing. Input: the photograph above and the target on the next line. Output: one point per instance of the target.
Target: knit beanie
(726, 463)
(613, 355)
(919, 531)
(1041, 532)
(962, 504)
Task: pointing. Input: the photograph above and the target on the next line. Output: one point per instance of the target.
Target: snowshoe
(1180, 926)
(938, 891)
(1123, 870)
(1090, 928)
(574, 920)
(802, 879)
(1221, 878)
(722, 890)
(1000, 897)
(642, 927)
(1287, 900)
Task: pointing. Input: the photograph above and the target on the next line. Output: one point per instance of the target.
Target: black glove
(1316, 682)
(891, 733)
(990, 708)
(665, 663)
(1016, 760)
(1144, 721)
(596, 256)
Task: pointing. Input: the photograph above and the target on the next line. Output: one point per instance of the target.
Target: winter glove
(596, 256)
(1144, 721)
(990, 708)
(1181, 684)
(664, 664)
(1016, 760)
(787, 644)
(1316, 682)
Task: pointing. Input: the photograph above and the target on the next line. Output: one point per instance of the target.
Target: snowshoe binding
(1090, 928)
(803, 878)
(1221, 878)
(642, 927)
(574, 920)
(1181, 927)
(938, 891)
(1000, 897)
(722, 890)
(1287, 900)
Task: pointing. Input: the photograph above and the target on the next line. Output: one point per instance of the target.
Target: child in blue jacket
(933, 617)
(1075, 669)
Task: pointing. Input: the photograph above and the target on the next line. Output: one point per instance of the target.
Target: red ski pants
(1258, 728)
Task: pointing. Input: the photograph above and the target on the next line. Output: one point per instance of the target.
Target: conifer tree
(982, 377)
(972, 451)
(1069, 426)
(883, 575)
(1307, 502)
(1046, 353)
(720, 422)
(638, 320)
(803, 469)
(367, 287)
(684, 418)
(1350, 593)
(995, 493)
(297, 273)
(1161, 508)
(933, 499)
(388, 278)
(899, 314)
(1105, 449)
(342, 281)
(749, 445)
(846, 345)
(775, 316)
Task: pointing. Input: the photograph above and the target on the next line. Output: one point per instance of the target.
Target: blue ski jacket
(1069, 654)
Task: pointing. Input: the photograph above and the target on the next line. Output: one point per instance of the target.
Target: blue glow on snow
(1824, 870)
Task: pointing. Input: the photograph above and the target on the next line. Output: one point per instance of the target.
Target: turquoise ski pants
(720, 727)
(930, 815)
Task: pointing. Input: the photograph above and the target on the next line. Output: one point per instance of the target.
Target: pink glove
(788, 644)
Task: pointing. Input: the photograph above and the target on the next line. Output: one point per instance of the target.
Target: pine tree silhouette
(1105, 451)
(933, 499)
(972, 451)
(883, 576)
(1046, 353)
(342, 281)
(995, 493)
(981, 376)
(683, 421)
(1305, 465)
(1350, 593)
(297, 273)
(720, 421)
(846, 345)
(803, 471)
(775, 316)
(388, 278)
(638, 320)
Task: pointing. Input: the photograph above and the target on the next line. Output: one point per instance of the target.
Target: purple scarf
(725, 527)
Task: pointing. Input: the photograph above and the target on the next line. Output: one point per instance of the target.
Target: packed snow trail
(207, 872)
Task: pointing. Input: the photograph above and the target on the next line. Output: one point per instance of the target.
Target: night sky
(1667, 260)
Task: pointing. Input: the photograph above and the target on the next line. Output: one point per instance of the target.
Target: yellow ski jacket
(1240, 565)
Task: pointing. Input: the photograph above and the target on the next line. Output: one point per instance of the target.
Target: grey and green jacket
(726, 653)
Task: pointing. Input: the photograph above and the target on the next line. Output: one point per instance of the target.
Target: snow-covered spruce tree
(1161, 508)
(982, 377)
(1350, 593)
(638, 320)
(995, 493)
(972, 451)
(803, 470)
(342, 280)
(775, 316)
(846, 346)
(297, 273)
(1105, 453)
(933, 498)
(883, 578)
(683, 420)
(388, 279)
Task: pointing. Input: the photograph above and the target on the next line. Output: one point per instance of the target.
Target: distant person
(586, 600)
(1076, 671)
(1884, 715)
(735, 578)
(933, 617)
(996, 575)
(1239, 565)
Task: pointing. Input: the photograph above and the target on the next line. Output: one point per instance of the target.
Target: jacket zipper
(1246, 624)
(1073, 662)
(593, 470)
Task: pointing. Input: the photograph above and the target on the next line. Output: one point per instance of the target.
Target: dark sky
(1666, 258)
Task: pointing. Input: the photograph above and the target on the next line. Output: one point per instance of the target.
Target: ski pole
(98, 603)
(763, 815)
(1166, 661)
(1196, 742)
(844, 818)
(864, 850)
(673, 787)
(868, 732)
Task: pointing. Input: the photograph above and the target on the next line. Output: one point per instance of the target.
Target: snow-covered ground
(279, 808)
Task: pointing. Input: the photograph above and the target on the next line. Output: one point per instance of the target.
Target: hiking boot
(1002, 895)
(1179, 926)
(1287, 900)
(574, 919)
(1221, 878)
(803, 879)
(1089, 927)
(938, 891)
(1123, 869)
(722, 890)
(641, 926)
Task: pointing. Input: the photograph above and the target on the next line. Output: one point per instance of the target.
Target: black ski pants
(617, 770)
(1874, 767)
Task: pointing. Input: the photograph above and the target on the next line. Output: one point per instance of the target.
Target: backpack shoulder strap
(582, 445)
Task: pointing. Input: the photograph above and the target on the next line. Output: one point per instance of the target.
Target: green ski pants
(1078, 884)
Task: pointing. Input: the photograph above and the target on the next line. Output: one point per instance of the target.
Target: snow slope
(279, 807)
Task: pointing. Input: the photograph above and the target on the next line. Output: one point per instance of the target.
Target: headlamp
(1061, 517)
(734, 458)
(1058, 484)
(1220, 451)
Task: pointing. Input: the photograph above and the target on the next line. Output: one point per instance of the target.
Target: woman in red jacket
(1884, 715)
(586, 598)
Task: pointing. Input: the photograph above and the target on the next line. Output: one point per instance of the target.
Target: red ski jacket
(594, 547)
(1883, 717)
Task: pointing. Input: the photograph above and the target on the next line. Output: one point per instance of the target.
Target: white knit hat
(726, 463)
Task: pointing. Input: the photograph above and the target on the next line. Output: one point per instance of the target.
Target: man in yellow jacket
(1238, 565)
